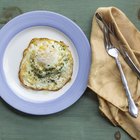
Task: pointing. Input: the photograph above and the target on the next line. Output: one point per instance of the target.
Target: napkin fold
(104, 78)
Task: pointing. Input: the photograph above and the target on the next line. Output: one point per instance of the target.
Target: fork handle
(133, 110)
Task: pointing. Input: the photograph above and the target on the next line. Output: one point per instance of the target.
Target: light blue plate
(72, 31)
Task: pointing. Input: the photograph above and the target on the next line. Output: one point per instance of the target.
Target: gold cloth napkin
(104, 78)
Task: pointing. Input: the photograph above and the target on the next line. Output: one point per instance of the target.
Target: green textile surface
(81, 121)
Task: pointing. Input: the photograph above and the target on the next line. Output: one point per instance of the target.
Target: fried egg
(46, 65)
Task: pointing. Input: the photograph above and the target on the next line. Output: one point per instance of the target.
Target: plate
(15, 37)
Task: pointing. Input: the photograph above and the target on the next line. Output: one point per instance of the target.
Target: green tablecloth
(81, 121)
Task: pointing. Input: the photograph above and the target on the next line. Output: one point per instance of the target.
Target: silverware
(130, 62)
(124, 54)
(112, 51)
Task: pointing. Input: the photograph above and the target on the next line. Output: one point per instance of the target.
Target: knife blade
(101, 22)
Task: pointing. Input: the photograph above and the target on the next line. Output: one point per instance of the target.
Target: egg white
(46, 65)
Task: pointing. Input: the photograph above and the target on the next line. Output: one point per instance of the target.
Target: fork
(113, 52)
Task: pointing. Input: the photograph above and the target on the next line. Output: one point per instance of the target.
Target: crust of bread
(21, 71)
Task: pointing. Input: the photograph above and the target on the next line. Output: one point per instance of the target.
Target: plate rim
(62, 102)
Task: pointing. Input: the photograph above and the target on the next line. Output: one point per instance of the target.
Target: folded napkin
(104, 78)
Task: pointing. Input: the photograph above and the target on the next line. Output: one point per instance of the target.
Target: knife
(101, 22)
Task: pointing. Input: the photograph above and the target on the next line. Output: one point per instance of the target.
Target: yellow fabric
(104, 78)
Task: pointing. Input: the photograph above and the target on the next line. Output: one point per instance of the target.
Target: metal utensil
(124, 54)
(130, 62)
(112, 51)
